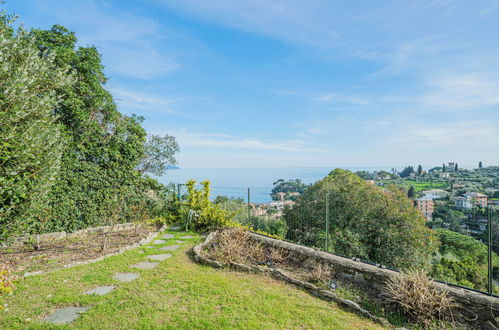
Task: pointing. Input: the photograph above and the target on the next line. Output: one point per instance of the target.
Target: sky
(288, 83)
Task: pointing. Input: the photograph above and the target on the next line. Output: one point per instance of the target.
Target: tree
(104, 147)
(159, 153)
(461, 260)
(420, 170)
(365, 221)
(31, 144)
(456, 168)
(480, 165)
(411, 193)
(407, 171)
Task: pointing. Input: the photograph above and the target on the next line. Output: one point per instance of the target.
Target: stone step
(101, 290)
(126, 277)
(145, 265)
(159, 257)
(169, 248)
(65, 315)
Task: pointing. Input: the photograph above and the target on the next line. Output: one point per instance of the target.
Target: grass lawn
(178, 293)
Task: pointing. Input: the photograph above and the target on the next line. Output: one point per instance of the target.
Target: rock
(186, 237)
(126, 277)
(101, 290)
(167, 236)
(169, 248)
(65, 315)
(145, 265)
(159, 241)
(159, 257)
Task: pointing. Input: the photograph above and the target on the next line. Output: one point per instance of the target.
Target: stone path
(169, 248)
(159, 257)
(145, 265)
(126, 277)
(65, 315)
(101, 290)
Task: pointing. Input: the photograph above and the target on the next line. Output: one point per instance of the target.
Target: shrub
(417, 296)
(208, 214)
(236, 245)
(6, 280)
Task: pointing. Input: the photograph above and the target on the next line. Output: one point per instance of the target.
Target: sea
(234, 182)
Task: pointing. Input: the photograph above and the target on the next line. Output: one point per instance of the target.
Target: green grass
(178, 294)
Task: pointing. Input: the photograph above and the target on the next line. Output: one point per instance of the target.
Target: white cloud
(295, 21)
(462, 92)
(145, 101)
(221, 141)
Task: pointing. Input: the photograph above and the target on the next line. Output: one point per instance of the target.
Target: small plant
(278, 255)
(419, 298)
(320, 275)
(235, 245)
(6, 280)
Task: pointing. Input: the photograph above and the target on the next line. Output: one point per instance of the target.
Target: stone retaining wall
(473, 307)
(49, 237)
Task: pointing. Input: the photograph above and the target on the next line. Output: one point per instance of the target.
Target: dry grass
(321, 274)
(416, 294)
(277, 255)
(236, 245)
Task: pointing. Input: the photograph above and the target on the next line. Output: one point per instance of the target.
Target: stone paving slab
(179, 242)
(159, 257)
(101, 290)
(145, 265)
(159, 241)
(175, 228)
(169, 248)
(186, 237)
(126, 277)
(167, 236)
(65, 315)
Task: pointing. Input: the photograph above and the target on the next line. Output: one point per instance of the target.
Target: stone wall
(473, 306)
(49, 237)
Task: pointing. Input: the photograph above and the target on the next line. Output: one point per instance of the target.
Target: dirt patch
(58, 253)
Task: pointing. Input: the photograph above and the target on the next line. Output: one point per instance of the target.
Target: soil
(58, 253)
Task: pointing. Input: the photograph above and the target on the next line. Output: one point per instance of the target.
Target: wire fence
(480, 223)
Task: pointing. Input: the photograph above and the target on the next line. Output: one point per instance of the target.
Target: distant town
(447, 196)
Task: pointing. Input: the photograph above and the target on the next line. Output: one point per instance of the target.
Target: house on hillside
(435, 193)
(427, 206)
(471, 199)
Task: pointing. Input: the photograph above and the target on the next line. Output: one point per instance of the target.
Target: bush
(6, 280)
(207, 214)
(274, 227)
(417, 296)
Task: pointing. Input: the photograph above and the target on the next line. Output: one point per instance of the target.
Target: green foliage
(104, 147)
(158, 154)
(365, 221)
(288, 187)
(461, 259)
(411, 193)
(407, 172)
(275, 227)
(31, 143)
(208, 214)
(6, 281)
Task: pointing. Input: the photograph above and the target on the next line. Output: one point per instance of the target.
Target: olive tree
(30, 138)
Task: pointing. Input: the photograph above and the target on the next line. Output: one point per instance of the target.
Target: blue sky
(272, 83)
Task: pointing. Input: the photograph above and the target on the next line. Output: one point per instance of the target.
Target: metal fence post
(327, 221)
(489, 254)
(249, 205)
